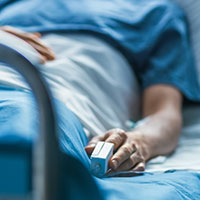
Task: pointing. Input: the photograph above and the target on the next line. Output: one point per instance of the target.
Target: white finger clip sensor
(100, 157)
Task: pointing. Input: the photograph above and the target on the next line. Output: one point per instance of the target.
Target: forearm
(161, 132)
(158, 136)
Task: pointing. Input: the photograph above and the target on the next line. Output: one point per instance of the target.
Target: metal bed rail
(50, 164)
(46, 151)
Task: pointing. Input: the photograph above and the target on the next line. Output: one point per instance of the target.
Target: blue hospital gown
(152, 34)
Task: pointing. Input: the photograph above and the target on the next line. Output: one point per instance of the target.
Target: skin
(46, 54)
(158, 136)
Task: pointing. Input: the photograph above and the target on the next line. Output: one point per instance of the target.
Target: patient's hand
(130, 149)
(158, 136)
(34, 40)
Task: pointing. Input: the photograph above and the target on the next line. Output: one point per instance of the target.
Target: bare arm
(158, 136)
(163, 103)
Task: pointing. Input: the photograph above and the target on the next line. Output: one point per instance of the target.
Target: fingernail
(114, 162)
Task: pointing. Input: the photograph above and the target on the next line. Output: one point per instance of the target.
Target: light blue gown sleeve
(171, 59)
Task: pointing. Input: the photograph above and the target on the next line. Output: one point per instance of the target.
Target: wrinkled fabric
(89, 76)
(16, 106)
(152, 34)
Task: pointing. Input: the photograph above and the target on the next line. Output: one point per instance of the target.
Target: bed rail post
(46, 151)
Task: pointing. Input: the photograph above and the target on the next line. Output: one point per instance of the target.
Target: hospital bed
(46, 178)
(48, 161)
(46, 116)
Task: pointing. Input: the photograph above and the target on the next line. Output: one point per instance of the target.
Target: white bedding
(97, 84)
(187, 155)
(101, 91)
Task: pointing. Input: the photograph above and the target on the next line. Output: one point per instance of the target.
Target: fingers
(42, 59)
(128, 150)
(96, 139)
(14, 31)
(131, 163)
(34, 40)
(124, 153)
(90, 148)
(116, 136)
(91, 145)
(45, 52)
(37, 34)
(139, 167)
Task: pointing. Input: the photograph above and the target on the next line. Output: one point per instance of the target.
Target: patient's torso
(91, 78)
(132, 26)
(151, 34)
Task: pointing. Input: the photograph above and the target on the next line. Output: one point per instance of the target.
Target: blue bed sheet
(19, 127)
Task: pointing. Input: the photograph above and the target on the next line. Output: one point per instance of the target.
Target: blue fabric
(17, 107)
(179, 185)
(19, 124)
(152, 34)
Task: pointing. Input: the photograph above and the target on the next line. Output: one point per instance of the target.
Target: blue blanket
(19, 127)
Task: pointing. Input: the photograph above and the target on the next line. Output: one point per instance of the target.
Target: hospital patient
(99, 58)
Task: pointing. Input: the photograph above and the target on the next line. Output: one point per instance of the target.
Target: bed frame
(49, 163)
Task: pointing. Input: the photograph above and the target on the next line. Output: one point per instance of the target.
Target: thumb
(91, 145)
(90, 148)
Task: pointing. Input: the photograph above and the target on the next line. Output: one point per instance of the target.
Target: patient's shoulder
(165, 14)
